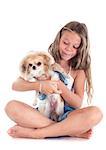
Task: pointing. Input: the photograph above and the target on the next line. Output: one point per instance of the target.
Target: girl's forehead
(68, 35)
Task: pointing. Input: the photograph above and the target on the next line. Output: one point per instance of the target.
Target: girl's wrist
(40, 87)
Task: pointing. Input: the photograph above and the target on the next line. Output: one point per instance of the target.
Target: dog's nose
(34, 67)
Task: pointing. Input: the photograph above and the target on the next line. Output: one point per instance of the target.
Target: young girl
(71, 50)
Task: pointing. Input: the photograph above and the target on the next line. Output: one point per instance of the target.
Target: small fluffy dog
(37, 66)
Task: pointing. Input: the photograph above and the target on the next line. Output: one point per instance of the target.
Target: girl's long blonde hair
(82, 60)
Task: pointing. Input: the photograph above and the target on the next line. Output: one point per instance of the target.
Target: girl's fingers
(50, 87)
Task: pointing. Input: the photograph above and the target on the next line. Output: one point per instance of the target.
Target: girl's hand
(49, 87)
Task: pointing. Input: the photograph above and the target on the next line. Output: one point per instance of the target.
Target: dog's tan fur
(43, 71)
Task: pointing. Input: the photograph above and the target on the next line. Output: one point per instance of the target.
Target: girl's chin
(66, 58)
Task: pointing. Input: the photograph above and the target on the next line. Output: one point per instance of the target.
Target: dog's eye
(30, 65)
(38, 64)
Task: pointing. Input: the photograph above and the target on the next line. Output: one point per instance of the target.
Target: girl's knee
(93, 114)
(96, 113)
(10, 106)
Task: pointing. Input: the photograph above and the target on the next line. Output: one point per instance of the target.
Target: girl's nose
(69, 48)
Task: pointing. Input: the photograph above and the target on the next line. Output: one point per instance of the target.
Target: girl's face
(69, 44)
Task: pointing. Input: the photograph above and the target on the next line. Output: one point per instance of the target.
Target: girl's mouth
(66, 54)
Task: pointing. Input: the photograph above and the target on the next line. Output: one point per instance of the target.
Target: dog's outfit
(68, 81)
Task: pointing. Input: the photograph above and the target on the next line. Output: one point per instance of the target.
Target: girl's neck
(64, 63)
(65, 66)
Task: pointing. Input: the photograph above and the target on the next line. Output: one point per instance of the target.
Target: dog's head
(35, 65)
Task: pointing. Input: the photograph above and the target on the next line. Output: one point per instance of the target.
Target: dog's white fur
(39, 65)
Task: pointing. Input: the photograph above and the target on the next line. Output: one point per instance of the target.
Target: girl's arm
(23, 85)
(74, 98)
(42, 86)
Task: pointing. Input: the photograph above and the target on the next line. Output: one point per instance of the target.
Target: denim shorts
(67, 110)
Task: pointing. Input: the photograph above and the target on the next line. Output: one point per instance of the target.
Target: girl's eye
(38, 64)
(65, 43)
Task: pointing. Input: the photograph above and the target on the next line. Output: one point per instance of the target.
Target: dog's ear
(23, 66)
(52, 61)
(49, 59)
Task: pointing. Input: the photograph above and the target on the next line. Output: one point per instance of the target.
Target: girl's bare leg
(78, 123)
(26, 116)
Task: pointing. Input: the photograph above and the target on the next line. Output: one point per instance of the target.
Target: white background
(32, 25)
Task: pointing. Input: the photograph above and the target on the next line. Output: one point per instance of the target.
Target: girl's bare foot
(85, 135)
(22, 132)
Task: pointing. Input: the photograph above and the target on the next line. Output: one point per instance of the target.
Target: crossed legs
(31, 124)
